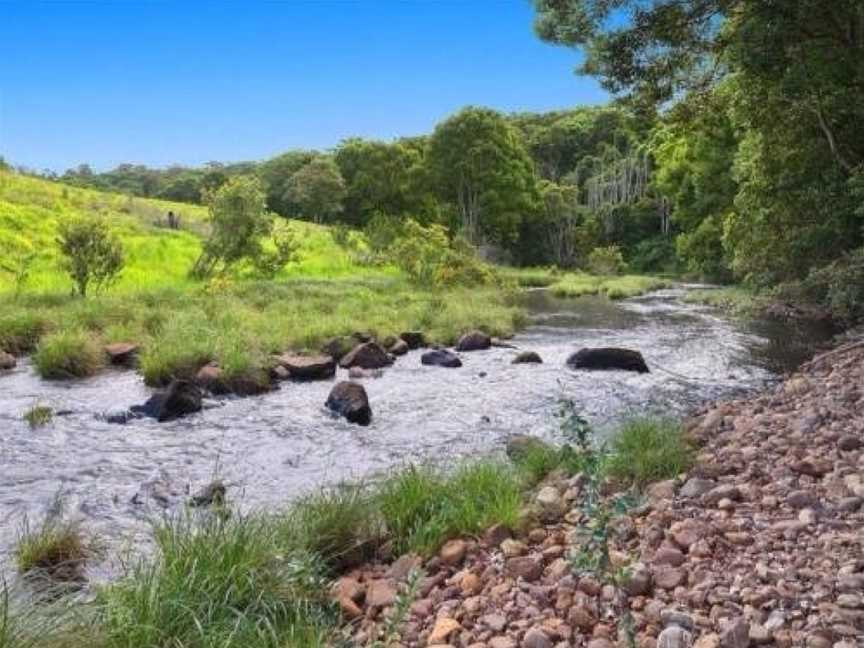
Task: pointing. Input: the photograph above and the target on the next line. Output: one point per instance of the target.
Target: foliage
(68, 354)
(580, 284)
(839, 288)
(606, 261)
(645, 450)
(55, 549)
(93, 253)
(317, 189)
(38, 416)
(269, 262)
(17, 257)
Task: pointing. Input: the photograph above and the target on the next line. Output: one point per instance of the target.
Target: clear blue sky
(190, 81)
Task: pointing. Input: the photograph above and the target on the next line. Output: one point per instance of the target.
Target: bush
(606, 261)
(645, 450)
(94, 255)
(69, 354)
(839, 288)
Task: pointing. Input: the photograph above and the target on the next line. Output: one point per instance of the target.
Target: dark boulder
(528, 357)
(7, 361)
(369, 355)
(349, 399)
(211, 378)
(398, 348)
(338, 347)
(212, 493)
(608, 358)
(414, 339)
(121, 353)
(251, 384)
(441, 358)
(181, 398)
(320, 367)
(474, 341)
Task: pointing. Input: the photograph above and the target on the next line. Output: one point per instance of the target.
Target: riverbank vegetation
(264, 579)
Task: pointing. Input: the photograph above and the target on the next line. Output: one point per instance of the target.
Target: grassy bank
(733, 299)
(263, 580)
(613, 287)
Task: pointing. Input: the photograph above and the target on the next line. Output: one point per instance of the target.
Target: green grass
(55, 548)
(613, 287)
(646, 450)
(38, 416)
(68, 354)
(734, 299)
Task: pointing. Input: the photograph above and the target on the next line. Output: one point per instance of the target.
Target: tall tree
(317, 189)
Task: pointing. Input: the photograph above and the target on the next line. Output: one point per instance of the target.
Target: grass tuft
(38, 415)
(645, 450)
(580, 284)
(56, 549)
(68, 354)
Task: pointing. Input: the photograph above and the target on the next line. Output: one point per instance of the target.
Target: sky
(189, 81)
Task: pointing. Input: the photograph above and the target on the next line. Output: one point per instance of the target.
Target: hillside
(31, 208)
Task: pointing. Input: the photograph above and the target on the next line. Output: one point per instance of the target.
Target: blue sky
(167, 82)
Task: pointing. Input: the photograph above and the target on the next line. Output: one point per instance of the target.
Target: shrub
(16, 259)
(93, 254)
(839, 288)
(645, 450)
(68, 354)
(606, 261)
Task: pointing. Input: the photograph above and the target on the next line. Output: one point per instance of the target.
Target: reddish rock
(453, 552)
(121, 353)
(369, 355)
(315, 367)
(529, 568)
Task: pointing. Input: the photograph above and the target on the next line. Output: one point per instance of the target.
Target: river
(117, 478)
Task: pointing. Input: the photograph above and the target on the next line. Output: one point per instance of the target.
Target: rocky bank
(760, 544)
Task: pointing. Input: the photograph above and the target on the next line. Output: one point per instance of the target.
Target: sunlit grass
(613, 287)
(645, 450)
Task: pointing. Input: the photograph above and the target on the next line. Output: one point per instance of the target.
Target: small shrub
(38, 415)
(16, 259)
(606, 261)
(93, 254)
(55, 549)
(645, 450)
(20, 332)
(68, 354)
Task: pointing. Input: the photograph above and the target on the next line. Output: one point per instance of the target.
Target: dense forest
(733, 151)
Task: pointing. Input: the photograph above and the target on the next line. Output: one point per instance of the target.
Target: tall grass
(68, 354)
(649, 449)
(613, 287)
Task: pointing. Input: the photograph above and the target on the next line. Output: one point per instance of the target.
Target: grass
(734, 299)
(613, 287)
(38, 416)
(68, 354)
(56, 549)
(646, 450)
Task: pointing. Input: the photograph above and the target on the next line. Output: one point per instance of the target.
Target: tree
(16, 259)
(478, 165)
(276, 173)
(93, 254)
(317, 189)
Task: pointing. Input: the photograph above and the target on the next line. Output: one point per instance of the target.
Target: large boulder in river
(7, 361)
(319, 367)
(180, 399)
(369, 355)
(414, 339)
(441, 358)
(528, 357)
(121, 353)
(608, 358)
(474, 341)
(349, 399)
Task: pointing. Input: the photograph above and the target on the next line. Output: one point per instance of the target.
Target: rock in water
(121, 353)
(528, 357)
(474, 341)
(399, 347)
(349, 399)
(212, 493)
(414, 339)
(369, 355)
(441, 358)
(608, 358)
(321, 367)
(7, 361)
(181, 398)
(211, 378)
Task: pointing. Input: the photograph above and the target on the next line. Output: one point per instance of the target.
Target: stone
(536, 638)
(671, 616)
(474, 341)
(600, 642)
(710, 640)
(398, 348)
(550, 503)
(696, 487)
(453, 552)
(442, 630)
(735, 634)
(414, 339)
(812, 467)
(512, 548)
(180, 399)
(316, 367)
(380, 593)
(608, 358)
(368, 355)
(471, 584)
(528, 568)
(850, 442)
(121, 353)
(638, 580)
(495, 621)
(528, 357)
(669, 578)
(404, 565)
(212, 493)
(675, 637)
(496, 535)
(502, 642)
(668, 555)
(349, 400)
(211, 378)
(7, 361)
(441, 358)
(349, 588)
(760, 635)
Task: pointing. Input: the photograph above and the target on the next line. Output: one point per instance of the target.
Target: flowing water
(117, 478)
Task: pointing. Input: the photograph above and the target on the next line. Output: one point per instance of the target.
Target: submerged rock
(608, 358)
(528, 357)
(414, 339)
(349, 399)
(212, 493)
(318, 367)
(398, 348)
(121, 353)
(357, 373)
(7, 361)
(180, 399)
(369, 355)
(474, 341)
(441, 358)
